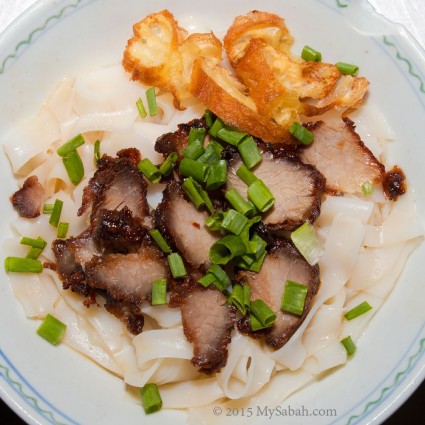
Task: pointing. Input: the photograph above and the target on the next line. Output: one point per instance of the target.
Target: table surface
(410, 13)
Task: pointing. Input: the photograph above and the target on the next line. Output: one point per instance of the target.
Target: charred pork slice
(297, 189)
(28, 200)
(394, 183)
(127, 277)
(184, 225)
(208, 322)
(282, 263)
(117, 183)
(178, 140)
(339, 154)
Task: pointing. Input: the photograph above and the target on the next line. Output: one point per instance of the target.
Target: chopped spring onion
(196, 134)
(159, 292)
(349, 345)
(347, 68)
(213, 222)
(230, 136)
(71, 145)
(192, 193)
(293, 298)
(263, 313)
(34, 253)
(96, 151)
(226, 248)
(52, 329)
(209, 118)
(251, 265)
(255, 323)
(74, 166)
(301, 133)
(149, 170)
(160, 241)
(260, 196)
(151, 98)
(176, 265)
(48, 208)
(62, 229)
(247, 260)
(234, 222)
(311, 55)
(190, 168)
(222, 280)
(306, 242)
(212, 153)
(250, 248)
(194, 149)
(217, 175)
(56, 213)
(22, 265)
(367, 188)
(240, 297)
(141, 108)
(207, 280)
(36, 243)
(362, 308)
(167, 166)
(236, 200)
(151, 399)
(216, 127)
(249, 152)
(246, 176)
(204, 196)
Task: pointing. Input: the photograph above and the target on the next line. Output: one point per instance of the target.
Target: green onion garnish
(216, 127)
(260, 196)
(192, 193)
(52, 329)
(48, 208)
(56, 213)
(205, 197)
(194, 149)
(234, 222)
(263, 313)
(293, 298)
(217, 175)
(71, 145)
(222, 281)
(249, 152)
(349, 345)
(34, 253)
(74, 166)
(36, 243)
(149, 170)
(230, 136)
(251, 265)
(22, 265)
(226, 248)
(254, 260)
(212, 153)
(151, 98)
(96, 151)
(362, 308)
(236, 200)
(196, 134)
(307, 244)
(301, 133)
(213, 222)
(248, 177)
(238, 298)
(167, 166)
(347, 68)
(141, 108)
(207, 280)
(159, 292)
(367, 188)
(160, 241)
(311, 55)
(209, 118)
(62, 229)
(190, 168)
(176, 265)
(151, 399)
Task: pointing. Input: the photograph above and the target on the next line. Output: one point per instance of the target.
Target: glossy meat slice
(117, 183)
(297, 188)
(184, 225)
(208, 322)
(339, 154)
(282, 263)
(127, 277)
(28, 200)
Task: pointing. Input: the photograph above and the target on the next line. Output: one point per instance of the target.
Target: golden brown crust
(222, 94)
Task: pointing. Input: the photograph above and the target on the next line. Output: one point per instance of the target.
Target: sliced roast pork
(394, 183)
(28, 200)
(208, 322)
(282, 263)
(339, 154)
(297, 188)
(184, 225)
